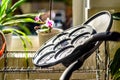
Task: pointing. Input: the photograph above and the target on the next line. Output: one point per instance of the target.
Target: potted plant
(45, 30)
(7, 19)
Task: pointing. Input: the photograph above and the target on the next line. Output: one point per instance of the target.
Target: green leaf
(116, 76)
(6, 31)
(25, 15)
(16, 21)
(23, 34)
(24, 29)
(3, 9)
(115, 65)
(20, 16)
(23, 43)
(116, 16)
(16, 5)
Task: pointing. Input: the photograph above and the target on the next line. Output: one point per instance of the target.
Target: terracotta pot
(2, 43)
(43, 37)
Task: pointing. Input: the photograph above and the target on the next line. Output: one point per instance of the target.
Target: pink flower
(37, 18)
(49, 23)
(46, 26)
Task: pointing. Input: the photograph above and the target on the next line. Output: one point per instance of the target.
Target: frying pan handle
(105, 36)
(70, 69)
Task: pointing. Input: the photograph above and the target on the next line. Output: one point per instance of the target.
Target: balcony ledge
(17, 44)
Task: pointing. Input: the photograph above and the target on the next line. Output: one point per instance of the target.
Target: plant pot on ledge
(43, 37)
(8, 37)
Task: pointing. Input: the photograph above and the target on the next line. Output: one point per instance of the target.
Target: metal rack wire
(6, 68)
(21, 54)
